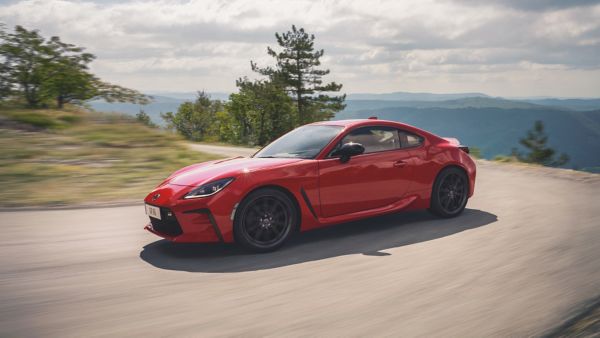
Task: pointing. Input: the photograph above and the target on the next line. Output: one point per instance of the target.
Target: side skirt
(397, 206)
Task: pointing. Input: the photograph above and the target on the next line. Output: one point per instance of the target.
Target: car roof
(361, 122)
(347, 124)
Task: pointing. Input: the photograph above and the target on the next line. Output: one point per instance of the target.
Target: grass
(66, 157)
(506, 159)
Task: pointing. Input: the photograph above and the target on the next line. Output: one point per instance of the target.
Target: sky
(508, 48)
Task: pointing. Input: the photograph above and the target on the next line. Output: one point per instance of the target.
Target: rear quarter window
(410, 140)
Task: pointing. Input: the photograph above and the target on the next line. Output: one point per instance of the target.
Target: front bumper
(197, 225)
(194, 220)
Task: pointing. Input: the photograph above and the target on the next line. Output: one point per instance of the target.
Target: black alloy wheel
(450, 193)
(264, 220)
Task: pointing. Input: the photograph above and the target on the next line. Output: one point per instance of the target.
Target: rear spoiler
(456, 142)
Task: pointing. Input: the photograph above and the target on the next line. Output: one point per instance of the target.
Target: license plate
(153, 211)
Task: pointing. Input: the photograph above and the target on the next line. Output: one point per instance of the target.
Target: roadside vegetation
(536, 150)
(62, 157)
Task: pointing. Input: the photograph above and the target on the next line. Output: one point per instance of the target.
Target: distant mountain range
(492, 124)
(406, 96)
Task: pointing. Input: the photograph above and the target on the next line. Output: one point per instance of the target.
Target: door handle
(400, 164)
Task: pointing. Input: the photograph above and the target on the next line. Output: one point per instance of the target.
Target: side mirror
(348, 150)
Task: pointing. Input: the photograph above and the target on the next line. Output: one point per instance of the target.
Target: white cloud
(503, 47)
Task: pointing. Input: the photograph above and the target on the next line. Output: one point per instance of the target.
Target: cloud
(533, 5)
(445, 45)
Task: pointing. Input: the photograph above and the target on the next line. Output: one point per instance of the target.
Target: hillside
(572, 104)
(62, 157)
(467, 102)
(406, 96)
(496, 130)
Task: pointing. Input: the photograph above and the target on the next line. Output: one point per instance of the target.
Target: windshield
(303, 142)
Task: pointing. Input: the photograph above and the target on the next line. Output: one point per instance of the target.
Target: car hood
(201, 173)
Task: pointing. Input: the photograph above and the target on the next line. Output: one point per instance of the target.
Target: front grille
(168, 224)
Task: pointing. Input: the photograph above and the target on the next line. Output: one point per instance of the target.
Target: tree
(261, 111)
(114, 93)
(296, 70)
(535, 141)
(193, 119)
(144, 118)
(40, 70)
(26, 56)
(5, 81)
(65, 77)
(238, 108)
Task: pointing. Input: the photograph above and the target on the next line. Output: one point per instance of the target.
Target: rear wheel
(265, 220)
(450, 193)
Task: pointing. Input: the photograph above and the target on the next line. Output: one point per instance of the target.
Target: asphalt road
(523, 258)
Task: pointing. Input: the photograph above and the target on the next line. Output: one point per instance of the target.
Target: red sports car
(316, 175)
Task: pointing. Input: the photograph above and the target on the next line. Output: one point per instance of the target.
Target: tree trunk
(29, 96)
(60, 101)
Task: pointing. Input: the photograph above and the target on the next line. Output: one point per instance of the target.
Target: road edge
(98, 205)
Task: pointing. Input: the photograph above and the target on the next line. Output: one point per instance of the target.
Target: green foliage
(40, 71)
(535, 141)
(475, 152)
(40, 119)
(114, 93)
(194, 120)
(296, 71)
(145, 119)
(505, 159)
(5, 82)
(36, 120)
(71, 119)
(225, 127)
(26, 57)
(261, 111)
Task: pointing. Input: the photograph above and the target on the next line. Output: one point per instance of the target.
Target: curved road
(524, 257)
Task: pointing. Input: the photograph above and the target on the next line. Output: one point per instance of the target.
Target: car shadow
(367, 237)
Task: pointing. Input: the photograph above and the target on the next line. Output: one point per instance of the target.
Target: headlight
(208, 189)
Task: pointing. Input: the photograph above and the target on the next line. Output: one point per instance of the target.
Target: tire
(450, 193)
(265, 219)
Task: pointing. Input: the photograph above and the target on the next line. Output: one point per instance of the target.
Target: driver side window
(374, 139)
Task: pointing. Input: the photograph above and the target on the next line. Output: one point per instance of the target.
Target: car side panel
(366, 181)
(430, 161)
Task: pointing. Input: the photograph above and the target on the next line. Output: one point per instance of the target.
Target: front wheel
(450, 193)
(265, 220)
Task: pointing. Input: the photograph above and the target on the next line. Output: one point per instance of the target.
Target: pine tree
(145, 119)
(535, 141)
(296, 70)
